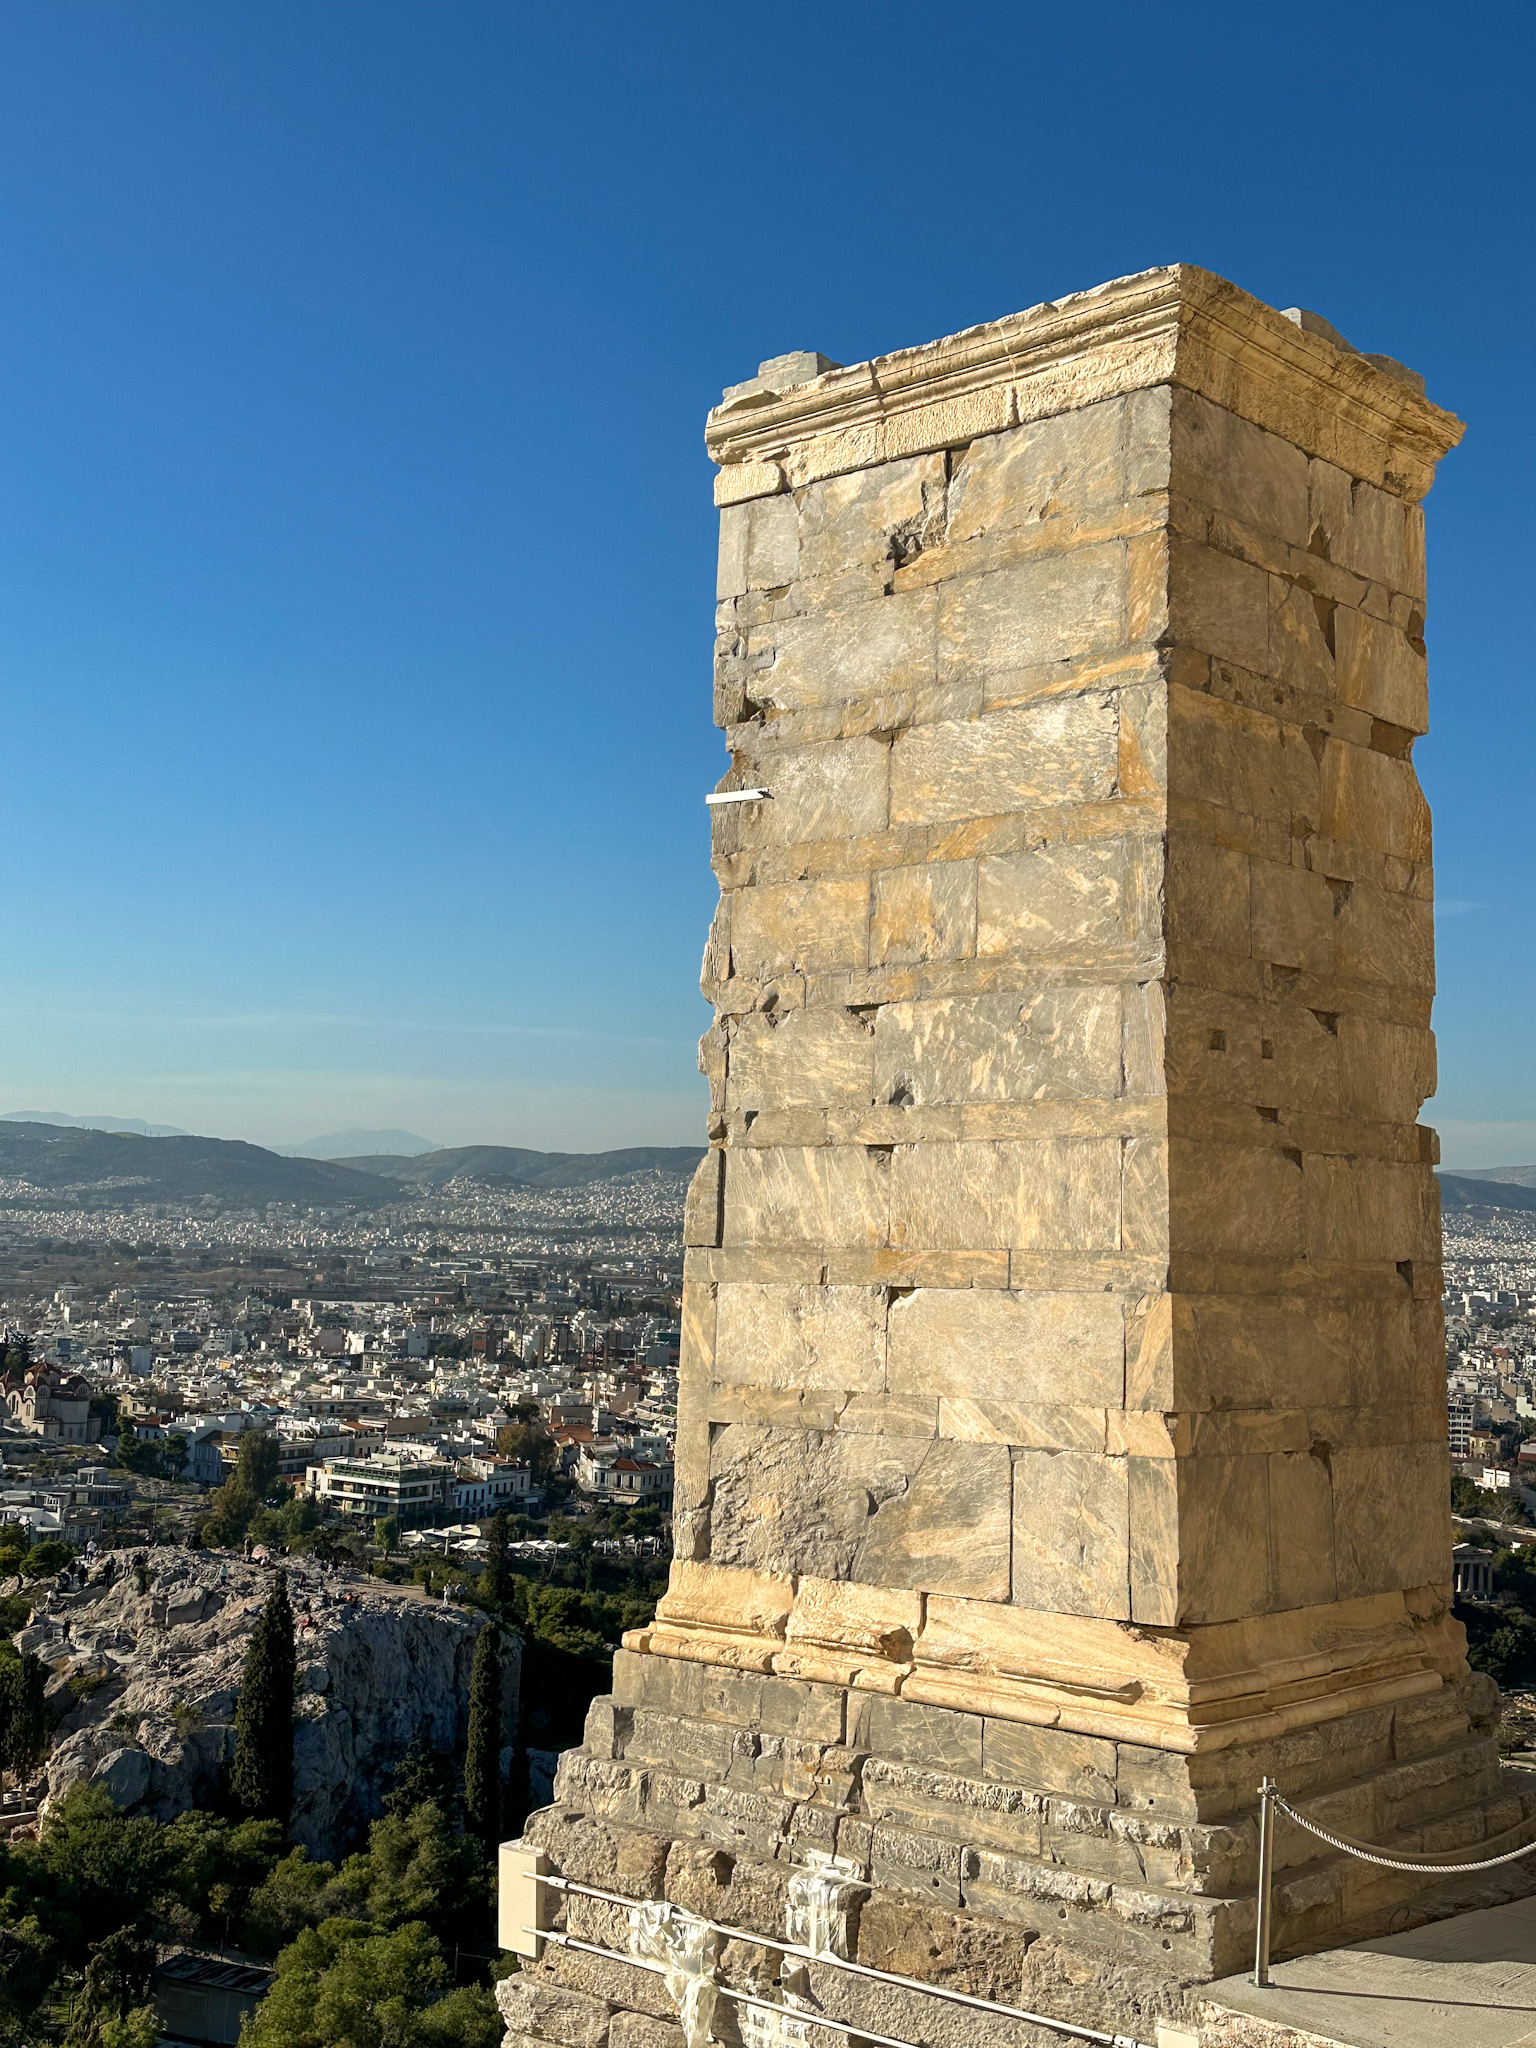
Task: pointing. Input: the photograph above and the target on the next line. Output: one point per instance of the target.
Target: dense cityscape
(417, 1334)
(413, 1338)
(447, 1412)
(1490, 1342)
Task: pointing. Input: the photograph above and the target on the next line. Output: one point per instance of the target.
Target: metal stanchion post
(1266, 1880)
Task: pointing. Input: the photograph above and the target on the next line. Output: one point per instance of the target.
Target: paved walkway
(1469, 1982)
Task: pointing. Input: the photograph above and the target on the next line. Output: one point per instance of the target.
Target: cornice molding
(1187, 1690)
(1179, 325)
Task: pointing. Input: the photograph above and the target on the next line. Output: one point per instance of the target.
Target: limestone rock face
(376, 1666)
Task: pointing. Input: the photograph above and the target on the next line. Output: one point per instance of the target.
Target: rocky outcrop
(377, 1665)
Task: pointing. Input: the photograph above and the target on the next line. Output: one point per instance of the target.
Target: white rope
(1392, 1862)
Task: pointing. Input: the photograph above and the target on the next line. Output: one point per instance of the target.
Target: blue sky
(356, 551)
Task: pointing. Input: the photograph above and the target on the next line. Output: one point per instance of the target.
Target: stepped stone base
(1096, 1881)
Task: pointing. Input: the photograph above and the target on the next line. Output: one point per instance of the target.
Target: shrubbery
(362, 1953)
(19, 1554)
(1500, 1641)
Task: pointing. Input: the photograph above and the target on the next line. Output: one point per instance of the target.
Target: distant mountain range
(1497, 1189)
(108, 1168)
(112, 1169)
(360, 1145)
(512, 1166)
(1516, 1176)
(92, 1123)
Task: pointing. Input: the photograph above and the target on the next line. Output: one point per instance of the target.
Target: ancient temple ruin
(1062, 1437)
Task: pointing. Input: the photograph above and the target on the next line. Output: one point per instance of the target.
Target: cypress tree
(497, 1571)
(261, 1777)
(482, 1755)
(23, 1716)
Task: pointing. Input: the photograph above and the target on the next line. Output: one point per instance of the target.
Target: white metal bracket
(524, 1907)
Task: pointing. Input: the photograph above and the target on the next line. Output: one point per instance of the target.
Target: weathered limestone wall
(1069, 1254)
(1062, 1444)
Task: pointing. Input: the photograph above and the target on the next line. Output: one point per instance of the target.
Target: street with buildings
(1490, 1345)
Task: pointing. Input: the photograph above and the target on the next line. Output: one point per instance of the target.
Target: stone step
(1468, 1982)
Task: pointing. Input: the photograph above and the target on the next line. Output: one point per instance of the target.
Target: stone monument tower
(1061, 1444)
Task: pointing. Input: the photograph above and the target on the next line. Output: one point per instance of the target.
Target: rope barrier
(1272, 1801)
(1380, 1857)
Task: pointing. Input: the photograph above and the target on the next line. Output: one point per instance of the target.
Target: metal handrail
(809, 1955)
(814, 2019)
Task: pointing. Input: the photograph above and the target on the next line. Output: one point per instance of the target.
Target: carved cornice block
(1180, 325)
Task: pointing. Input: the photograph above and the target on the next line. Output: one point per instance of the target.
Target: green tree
(424, 1773)
(290, 1898)
(1500, 1641)
(256, 1462)
(45, 1558)
(346, 1985)
(292, 1524)
(417, 1868)
(218, 1863)
(244, 1493)
(23, 1715)
(482, 1755)
(29, 1961)
(497, 1583)
(529, 1443)
(333, 1545)
(261, 1776)
(116, 1985)
(386, 1533)
(154, 1457)
(103, 1867)
(139, 2028)
(1463, 1495)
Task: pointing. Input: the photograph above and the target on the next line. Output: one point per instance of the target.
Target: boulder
(378, 1665)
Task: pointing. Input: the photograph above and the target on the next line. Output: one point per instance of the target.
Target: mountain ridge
(134, 1125)
(1514, 1176)
(518, 1166)
(108, 1168)
(111, 1169)
(343, 1147)
(1465, 1191)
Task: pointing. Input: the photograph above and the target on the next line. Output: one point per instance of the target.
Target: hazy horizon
(1460, 1151)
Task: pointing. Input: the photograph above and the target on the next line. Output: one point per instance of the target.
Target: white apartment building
(614, 1475)
(413, 1490)
(486, 1485)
